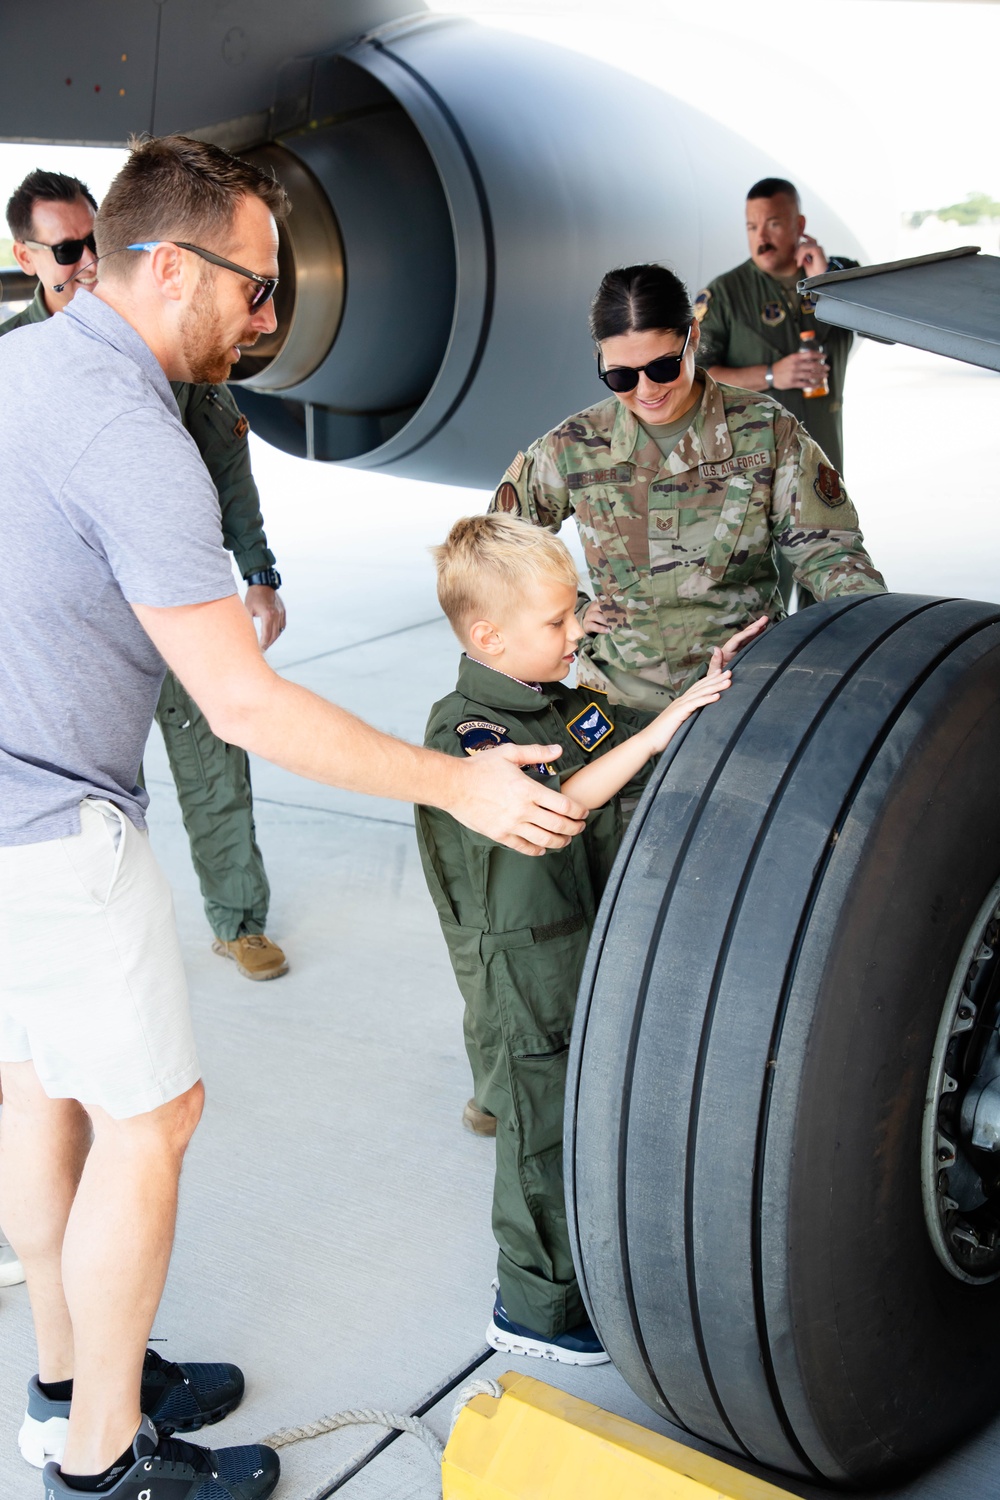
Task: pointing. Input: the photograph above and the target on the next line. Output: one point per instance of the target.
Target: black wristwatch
(268, 576)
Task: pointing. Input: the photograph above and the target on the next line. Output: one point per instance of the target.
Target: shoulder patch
(480, 734)
(829, 486)
(506, 500)
(701, 304)
(242, 427)
(590, 727)
(771, 314)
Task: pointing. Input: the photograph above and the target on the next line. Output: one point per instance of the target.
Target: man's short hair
(175, 188)
(487, 562)
(770, 187)
(42, 187)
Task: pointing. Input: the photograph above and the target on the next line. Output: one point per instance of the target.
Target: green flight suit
(213, 778)
(517, 930)
(682, 551)
(749, 318)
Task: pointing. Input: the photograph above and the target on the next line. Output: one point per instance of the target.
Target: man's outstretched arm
(213, 650)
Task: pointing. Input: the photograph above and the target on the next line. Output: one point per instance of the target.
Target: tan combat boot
(479, 1121)
(255, 955)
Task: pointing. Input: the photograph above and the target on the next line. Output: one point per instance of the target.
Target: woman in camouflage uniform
(685, 492)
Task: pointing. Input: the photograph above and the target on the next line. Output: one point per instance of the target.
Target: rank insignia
(242, 428)
(513, 470)
(771, 314)
(590, 727)
(701, 304)
(506, 500)
(480, 734)
(829, 486)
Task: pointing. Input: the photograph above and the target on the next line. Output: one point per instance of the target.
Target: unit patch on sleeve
(829, 487)
(590, 727)
(506, 500)
(480, 734)
(242, 428)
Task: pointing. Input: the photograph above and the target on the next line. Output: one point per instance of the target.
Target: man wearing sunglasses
(114, 564)
(212, 778)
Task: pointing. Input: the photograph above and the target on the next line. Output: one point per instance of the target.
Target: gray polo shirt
(104, 502)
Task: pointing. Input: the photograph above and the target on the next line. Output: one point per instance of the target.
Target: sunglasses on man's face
(66, 252)
(264, 285)
(662, 371)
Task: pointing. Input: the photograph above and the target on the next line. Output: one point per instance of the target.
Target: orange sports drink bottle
(808, 344)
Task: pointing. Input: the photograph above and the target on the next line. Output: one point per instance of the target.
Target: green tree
(976, 206)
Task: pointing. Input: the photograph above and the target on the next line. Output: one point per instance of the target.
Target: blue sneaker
(168, 1469)
(577, 1346)
(178, 1398)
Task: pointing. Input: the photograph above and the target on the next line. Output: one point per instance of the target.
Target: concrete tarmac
(334, 1232)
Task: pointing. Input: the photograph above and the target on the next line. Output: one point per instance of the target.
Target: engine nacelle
(457, 195)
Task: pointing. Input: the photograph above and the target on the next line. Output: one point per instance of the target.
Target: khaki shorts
(92, 985)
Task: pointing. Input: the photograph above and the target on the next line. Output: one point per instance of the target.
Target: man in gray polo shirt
(99, 483)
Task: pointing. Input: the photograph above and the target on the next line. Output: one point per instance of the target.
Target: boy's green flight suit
(517, 930)
(213, 778)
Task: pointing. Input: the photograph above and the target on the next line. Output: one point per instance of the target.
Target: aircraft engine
(457, 194)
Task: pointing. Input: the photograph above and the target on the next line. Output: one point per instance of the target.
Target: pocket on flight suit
(179, 727)
(537, 988)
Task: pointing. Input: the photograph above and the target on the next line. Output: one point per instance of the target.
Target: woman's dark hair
(638, 299)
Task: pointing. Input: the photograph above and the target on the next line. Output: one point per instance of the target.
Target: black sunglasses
(67, 252)
(662, 371)
(265, 284)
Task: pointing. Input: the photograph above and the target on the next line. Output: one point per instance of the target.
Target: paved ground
(334, 1235)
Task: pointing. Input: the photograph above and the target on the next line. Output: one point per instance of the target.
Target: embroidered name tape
(734, 465)
(590, 727)
(618, 474)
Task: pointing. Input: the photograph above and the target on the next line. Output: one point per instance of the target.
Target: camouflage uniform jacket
(215, 422)
(750, 318)
(681, 550)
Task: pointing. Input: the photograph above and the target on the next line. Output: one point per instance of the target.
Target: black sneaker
(170, 1469)
(179, 1398)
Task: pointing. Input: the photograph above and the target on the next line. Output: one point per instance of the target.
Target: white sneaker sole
(42, 1442)
(512, 1343)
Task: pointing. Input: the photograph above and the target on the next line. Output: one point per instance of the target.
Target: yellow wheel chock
(538, 1443)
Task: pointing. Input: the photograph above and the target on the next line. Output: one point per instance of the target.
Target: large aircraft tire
(773, 1241)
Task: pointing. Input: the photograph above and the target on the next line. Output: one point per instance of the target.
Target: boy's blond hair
(486, 562)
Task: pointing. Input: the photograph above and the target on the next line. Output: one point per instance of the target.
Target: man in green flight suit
(753, 318)
(51, 220)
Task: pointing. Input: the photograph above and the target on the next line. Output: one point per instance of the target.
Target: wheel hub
(961, 1131)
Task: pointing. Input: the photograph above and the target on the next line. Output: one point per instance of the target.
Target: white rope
(481, 1386)
(367, 1417)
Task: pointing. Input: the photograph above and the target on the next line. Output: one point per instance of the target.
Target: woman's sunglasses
(662, 371)
(67, 252)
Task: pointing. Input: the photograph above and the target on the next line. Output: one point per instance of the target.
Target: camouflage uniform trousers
(213, 788)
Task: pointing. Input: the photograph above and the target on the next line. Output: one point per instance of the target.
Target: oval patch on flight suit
(506, 500)
(829, 487)
(590, 727)
(480, 734)
(771, 314)
(701, 304)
